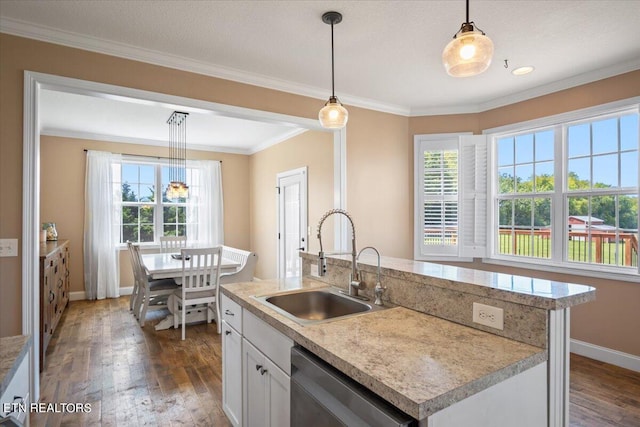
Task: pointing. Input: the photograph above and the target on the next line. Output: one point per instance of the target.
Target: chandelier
(177, 188)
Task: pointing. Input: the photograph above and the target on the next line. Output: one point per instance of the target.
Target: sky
(611, 144)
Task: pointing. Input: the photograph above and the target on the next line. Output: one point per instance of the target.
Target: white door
(292, 221)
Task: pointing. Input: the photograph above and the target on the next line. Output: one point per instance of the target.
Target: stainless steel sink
(315, 306)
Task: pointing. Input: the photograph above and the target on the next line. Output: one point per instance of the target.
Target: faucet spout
(379, 289)
(322, 262)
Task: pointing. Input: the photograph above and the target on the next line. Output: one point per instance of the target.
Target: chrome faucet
(378, 290)
(354, 281)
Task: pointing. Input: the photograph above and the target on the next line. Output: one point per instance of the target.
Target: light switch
(8, 247)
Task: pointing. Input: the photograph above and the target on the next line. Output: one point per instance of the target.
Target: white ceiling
(121, 120)
(388, 53)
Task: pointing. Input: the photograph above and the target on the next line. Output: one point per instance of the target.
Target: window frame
(560, 123)
(159, 204)
(442, 141)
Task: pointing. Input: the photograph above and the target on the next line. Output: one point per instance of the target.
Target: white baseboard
(81, 295)
(77, 296)
(607, 355)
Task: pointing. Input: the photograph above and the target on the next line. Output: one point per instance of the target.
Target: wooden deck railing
(537, 243)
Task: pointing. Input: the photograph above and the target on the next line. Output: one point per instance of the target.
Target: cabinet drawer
(17, 391)
(231, 312)
(268, 340)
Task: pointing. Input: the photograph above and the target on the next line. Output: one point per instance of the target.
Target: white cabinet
(256, 369)
(14, 402)
(266, 391)
(232, 374)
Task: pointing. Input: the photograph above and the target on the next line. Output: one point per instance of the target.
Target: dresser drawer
(231, 313)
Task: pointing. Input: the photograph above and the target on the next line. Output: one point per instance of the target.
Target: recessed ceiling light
(521, 71)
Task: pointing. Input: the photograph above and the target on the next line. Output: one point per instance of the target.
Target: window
(525, 184)
(446, 217)
(602, 191)
(568, 192)
(146, 213)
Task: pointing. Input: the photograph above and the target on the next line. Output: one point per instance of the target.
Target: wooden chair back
(200, 270)
(172, 243)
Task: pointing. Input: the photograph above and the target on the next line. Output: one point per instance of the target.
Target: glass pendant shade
(177, 190)
(333, 115)
(468, 54)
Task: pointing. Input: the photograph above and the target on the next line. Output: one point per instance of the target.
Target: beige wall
(379, 162)
(62, 171)
(313, 149)
(612, 320)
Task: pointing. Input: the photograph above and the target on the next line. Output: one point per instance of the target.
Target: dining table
(169, 266)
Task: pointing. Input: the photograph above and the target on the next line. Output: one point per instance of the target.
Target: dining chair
(172, 243)
(133, 258)
(151, 293)
(200, 284)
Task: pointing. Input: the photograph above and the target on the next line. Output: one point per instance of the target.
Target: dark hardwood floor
(131, 376)
(136, 376)
(603, 395)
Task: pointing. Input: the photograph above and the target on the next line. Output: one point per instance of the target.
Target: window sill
(583, 270)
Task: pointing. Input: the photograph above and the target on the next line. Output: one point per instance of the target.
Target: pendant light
(333, 115)
(470, 51)
(177, 188)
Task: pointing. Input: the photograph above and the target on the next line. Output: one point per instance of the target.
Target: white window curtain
(205, 209)
(101, 216)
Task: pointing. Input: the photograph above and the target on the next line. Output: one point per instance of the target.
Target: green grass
(577, 250)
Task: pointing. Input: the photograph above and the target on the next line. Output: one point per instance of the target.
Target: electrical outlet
(8, 247)
(488, 316)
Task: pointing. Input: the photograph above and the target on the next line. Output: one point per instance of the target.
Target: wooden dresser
(54, 289)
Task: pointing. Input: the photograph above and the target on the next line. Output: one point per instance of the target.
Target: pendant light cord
(333, 92)
(467, 11)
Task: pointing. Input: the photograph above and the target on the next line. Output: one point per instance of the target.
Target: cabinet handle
(17, 401)
(228, 312)
(258, 367)
(263, 371)
(227, 332)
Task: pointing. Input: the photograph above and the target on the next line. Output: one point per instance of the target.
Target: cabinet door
(65, 276)
(47, 297)
(56, 281)
(254, 386)
(278, 396)
(232, 374)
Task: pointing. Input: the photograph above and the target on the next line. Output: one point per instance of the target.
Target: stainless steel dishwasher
(322, 396)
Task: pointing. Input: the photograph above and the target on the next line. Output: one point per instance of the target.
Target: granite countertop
(539, 293)
(12, 351)
(419, 363)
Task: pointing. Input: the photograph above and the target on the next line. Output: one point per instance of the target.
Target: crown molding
(535, 92)
(64, 133)
(123, 50)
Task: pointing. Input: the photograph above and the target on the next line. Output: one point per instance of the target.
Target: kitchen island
(419, 363)
(425, 354)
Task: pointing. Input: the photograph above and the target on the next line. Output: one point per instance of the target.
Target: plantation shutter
(473, 196)
(437, 198)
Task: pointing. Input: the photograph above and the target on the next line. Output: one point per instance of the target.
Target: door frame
(302, 171)
(34, 82)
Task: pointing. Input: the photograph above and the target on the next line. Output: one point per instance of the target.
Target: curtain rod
(156, 157)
